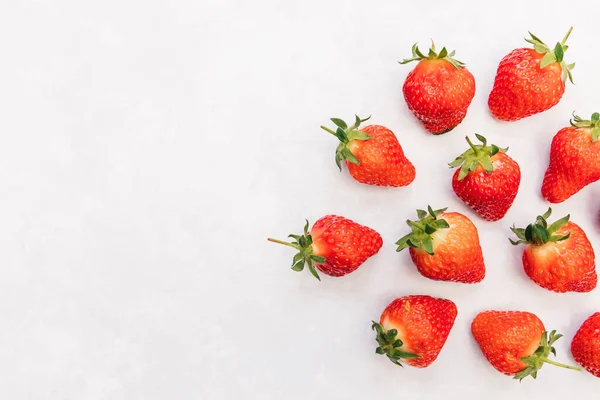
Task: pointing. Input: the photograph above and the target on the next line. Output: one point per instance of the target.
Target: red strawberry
(414, 328)
(585, 346)
(558, 257)
(335, 245)
(444, 246)
(439, 90)
(529, 81)
(574, 159)
(372, 154)
(488, 180)
(515, 342)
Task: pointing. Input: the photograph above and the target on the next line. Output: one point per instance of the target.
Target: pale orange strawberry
(516, 343)
(444, 246)
(414, 329)
(335, 245)
(373, 154)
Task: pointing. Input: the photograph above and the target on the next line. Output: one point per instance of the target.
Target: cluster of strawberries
(445, 245)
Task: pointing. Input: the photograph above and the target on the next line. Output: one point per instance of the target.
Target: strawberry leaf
(346, 135)
(340, 123)
(540, 233)
(476, 155)
(541, 356)
(593, 124)
(559, 53)
(299, 266)
(558, 238)
(427, 245)
(555, 55)
(548, 59)
(349, 156)
(313, 271)
(318, 259)
(390, 345)
(305, 256)
(441, 224)
(417, 55)
(556, 225)
(595, 133)
(486, 163)
(428, 223)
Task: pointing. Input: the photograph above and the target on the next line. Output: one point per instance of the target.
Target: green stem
(472, 145)
(544, 359)
(328, 130)
(566, 36)
(284, 243)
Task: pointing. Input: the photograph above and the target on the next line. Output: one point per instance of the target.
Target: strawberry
(515, 342)
(488, 180)
(585, 346)
(574, 159)
(529, 81)
(335, 245)
(414, 328)
(558, 257)
(372, 154)
(444, 246)
(439, 90)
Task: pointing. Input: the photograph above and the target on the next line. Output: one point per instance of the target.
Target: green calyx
(420, 237)
(475, 156)
(540, 357)
(433, 55)
(347, 134)
(303, 243)
(593, 124)
(390, 345)
(540, 233)
(553, 55)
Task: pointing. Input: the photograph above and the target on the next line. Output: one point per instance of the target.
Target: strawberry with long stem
(334, 245)
(516, 343)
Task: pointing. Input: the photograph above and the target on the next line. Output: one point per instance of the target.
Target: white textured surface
(150, 147)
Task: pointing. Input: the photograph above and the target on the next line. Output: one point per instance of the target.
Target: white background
(149, 148)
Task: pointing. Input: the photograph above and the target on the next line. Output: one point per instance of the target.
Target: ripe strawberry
(444, 246)
(372, 154)
(585, 346)
(439, 90)
(515, 342)
(558, 257)
(488, 180)
(529, 81)
(414, 328)
(574, 159)
(335, 245)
